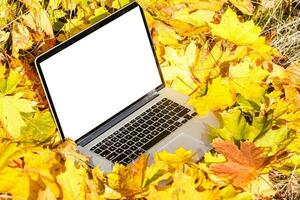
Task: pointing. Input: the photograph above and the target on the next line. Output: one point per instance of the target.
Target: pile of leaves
(210, 50)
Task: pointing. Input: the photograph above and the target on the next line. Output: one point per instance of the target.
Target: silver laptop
(106, 91)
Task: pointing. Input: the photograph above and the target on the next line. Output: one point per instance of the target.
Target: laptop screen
(101, 74)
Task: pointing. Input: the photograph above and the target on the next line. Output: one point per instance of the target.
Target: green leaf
(40, 127)
(275, 140)
(11, 108)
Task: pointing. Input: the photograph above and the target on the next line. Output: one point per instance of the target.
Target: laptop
(106, 92)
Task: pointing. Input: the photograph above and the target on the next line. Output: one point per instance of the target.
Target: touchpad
(187, 142)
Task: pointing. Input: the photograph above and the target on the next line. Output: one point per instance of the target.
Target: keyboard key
(112, 148)
(154, 132)
(178, 109)
(138, 118)
(158, 138)
(151, 114)
(151, 128)
(146, 131)
(172, 128)
(130, 142)
(161, 107)
(170, 122)
(164, 99)
(134, 133)
(124, 146)
(97, 151)
(135, 139)
(128, 137)
(159, 115)
(119, 151)
(120, 135)
(138, 144)
(156, 110)
(178, 124)
(141, 135)
(114, 139)
(160, 129)
(183, 112)
(112, 135)
(149, 122)
(93, 148)
(144, 125)
(172, 113)
(146, 117)
(127, 160)
(133, 156)
(108, 143)
(149, 137)
(175, 118)
(123, 140)
(154, 118)
(119, 157)
(135, 124)
(130, 128)
(112, 156)
(103, 147)
(164, 112)
(184, 121)
(126, 125)
(121, 129)
(156, 124)
(162, 120)
(188, 117)
(127, 152)
(133, 148)
(165, 125)
(166, 117)
(141, 121)
(117, 144)
(132, 121)
(144, 140)
(125, 131)
(139, 129)
(194, 114)
(143, 114)
(139, 151)
(174, 104)
(99, 144)
(105, 153)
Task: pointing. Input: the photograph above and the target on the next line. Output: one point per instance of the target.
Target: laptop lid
(100, 76)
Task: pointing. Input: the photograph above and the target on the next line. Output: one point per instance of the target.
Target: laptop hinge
(116, 119)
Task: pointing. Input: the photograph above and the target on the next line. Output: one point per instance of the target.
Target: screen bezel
(78, 37)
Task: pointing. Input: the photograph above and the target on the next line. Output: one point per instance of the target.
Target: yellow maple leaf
(196, 18)
(128, 180)
(245, 6)
(218, 97)
(11, 108)
(21, 39)
(176, 160)
(241, 33)
(15, 185)
(182, 187)
(72, 181)
(248, 81)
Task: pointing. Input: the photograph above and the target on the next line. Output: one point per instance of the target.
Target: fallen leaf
(242, 164)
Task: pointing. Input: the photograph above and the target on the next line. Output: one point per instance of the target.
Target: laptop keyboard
(143, 132)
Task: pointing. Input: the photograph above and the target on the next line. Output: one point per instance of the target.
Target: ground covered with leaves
(235, 58)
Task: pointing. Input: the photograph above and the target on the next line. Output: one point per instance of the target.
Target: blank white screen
(101, 74)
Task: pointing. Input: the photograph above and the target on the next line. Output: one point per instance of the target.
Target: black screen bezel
(76, 38)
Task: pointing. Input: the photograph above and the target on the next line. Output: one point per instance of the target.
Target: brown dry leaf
(242, 164)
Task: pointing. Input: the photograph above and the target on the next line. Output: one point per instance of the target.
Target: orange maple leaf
(242, 164)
